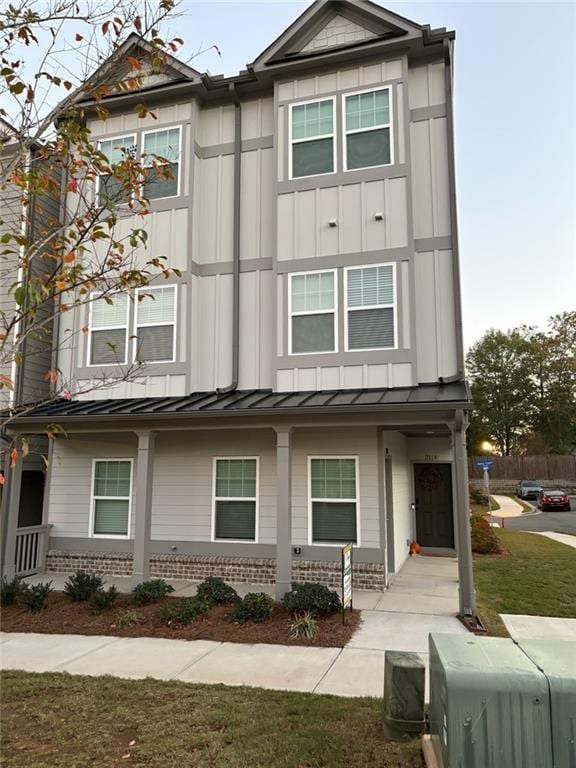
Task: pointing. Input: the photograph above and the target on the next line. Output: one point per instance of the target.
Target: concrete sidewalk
(508, 507)
(563, 538)
(539, 627)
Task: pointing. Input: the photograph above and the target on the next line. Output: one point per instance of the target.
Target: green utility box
(557, 660)
(489, 704)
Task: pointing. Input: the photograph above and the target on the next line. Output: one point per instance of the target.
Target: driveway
(562, 522)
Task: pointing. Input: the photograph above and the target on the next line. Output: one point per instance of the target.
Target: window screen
(111, 188)
(367, 129)
(333, 500)
(155, 320)
(371, 314)
(235, 499)
(111, 494)
(312, 304)
(108, 330)
(162, 156)
(312, 133)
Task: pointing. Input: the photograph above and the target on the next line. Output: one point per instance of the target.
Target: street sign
(346, 579)
(484, 463)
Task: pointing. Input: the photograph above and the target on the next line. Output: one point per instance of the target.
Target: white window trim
(302, 313)
(313, 543)
(137, 325)
(255, 540)
(94, 498)
(332, 136)
(393, 306)
(133, 136)
(160, 130)
(388, 125)
(89, 364)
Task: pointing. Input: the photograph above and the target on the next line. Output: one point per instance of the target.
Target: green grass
(63, 721)
(536, 578)
(482, 509)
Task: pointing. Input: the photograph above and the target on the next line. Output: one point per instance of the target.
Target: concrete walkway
(563, 538)
(508, 507)
(422, 599)
(539, 627)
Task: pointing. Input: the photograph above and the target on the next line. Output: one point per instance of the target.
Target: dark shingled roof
(255, 401)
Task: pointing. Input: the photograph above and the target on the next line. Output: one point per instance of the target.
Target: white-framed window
(155, 335)
(367, 120)
(371, 312)
(312, 138)
(312, 300)
(334, 508)
(235, 498)
(110, 188)
(108, 330)
(111, 498)
(161, 149)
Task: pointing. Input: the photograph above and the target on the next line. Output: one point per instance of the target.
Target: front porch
(392, 453)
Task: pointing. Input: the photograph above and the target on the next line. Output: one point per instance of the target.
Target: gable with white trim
(338, 31)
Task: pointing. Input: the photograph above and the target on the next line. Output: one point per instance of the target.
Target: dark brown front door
(433, 500)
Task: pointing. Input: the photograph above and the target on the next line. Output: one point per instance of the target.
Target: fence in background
(548, 467)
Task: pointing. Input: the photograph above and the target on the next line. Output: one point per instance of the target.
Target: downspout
(453, 212)
(56, 311)
(235, 243)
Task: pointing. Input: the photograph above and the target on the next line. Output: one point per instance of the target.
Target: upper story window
(153, 321)
(313, 312)
(312, 138)
(155, 325)
(108, 331)
(367, 125)
(371, 307)
(109, 186)
(161, 150)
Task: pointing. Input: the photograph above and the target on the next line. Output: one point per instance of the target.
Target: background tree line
(523, 385)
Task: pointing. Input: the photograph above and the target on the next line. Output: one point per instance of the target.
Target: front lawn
(64, 721)
(535, 576)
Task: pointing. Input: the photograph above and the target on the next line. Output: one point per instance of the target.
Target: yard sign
(346, 579)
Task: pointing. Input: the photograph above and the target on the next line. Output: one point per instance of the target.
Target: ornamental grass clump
(256, 606)
(304, 626)
(215, 591)
(151, 591)
(81, 585)
(312, 598)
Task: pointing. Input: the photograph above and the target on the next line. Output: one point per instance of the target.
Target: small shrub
(127, 619)
(10, 590)
(484, 540)
(304, 626)
(151, 591)
(215, 591)
(34, 596)
(182, 610)
(315, 598)
(103, 599)
(81, 585)
(256, 606)
(477, 496)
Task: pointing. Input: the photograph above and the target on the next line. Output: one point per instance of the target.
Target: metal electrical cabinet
(489, 705)
(557, 660)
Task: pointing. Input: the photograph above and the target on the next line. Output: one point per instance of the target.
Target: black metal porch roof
(255, 401)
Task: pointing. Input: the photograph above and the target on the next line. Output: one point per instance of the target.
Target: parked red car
(553, 499)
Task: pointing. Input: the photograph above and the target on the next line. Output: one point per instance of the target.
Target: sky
(515, 112)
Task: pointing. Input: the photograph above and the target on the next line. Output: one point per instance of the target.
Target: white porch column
(143, 507)
(466, 592)
(11, 508)
(283, 511)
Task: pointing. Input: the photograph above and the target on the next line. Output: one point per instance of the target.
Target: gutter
(236, 243)
(447, 45)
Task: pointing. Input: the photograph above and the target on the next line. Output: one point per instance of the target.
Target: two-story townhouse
(302, 380)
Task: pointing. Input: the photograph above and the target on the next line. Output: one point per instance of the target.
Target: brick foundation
(233, 569)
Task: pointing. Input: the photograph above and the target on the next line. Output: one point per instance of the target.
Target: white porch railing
(31, 546)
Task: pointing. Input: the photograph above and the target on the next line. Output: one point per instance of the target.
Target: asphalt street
(561, 522)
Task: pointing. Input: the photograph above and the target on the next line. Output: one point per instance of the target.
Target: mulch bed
(63, 617)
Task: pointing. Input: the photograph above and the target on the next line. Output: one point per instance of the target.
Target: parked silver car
(528, 489)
